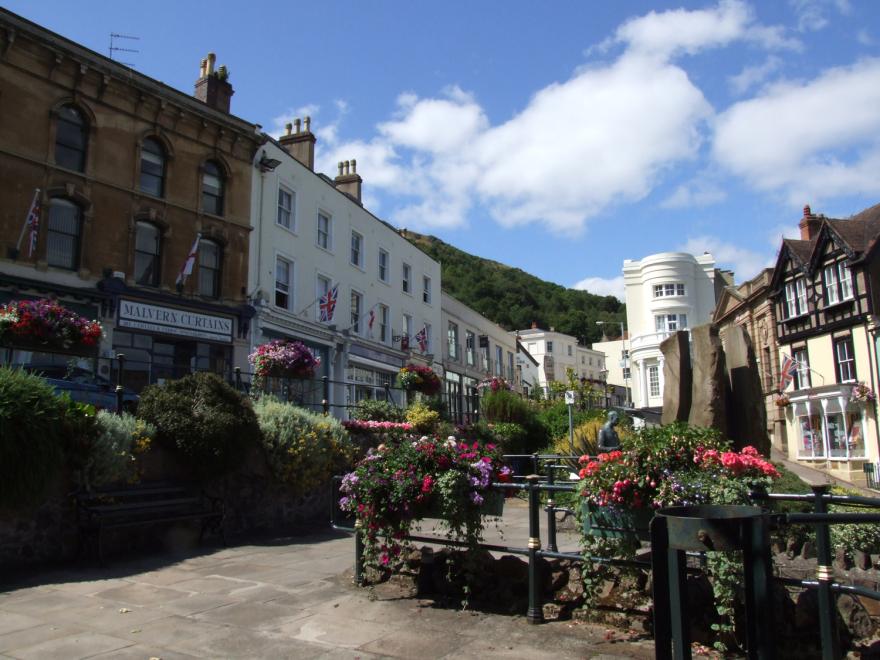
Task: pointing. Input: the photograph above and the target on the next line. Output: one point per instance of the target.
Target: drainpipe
(259, 263)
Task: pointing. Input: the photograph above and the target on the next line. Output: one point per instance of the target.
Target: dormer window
(838, 283)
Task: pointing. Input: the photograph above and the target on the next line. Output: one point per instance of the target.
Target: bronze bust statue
(608, 439)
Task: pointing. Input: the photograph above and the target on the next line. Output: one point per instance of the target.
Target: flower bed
(284, 358)
(416, 378)
(374, 426)
(45, 323)
(399, 483)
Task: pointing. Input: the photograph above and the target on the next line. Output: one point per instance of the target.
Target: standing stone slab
(710, 390)
(677, 378)
(748, 413)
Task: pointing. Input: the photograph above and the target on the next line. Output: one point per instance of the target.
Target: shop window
(147, 245)
(152, 180)
(210, 258)
(64, 234)
(71, 139)
(213, 188)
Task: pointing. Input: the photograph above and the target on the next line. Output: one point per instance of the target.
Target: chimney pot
(809, 224)
(354, 166)
(214, 90)
(308, 123)
(296, 124)
(340, 168)
(347, 167)
(289, 127)
(211, 59)
(807, 211)
(299, 144)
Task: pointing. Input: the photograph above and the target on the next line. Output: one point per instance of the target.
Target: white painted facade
(307, 235)
(474, 349)
(557, 352)
(616, 361)
(665, 292)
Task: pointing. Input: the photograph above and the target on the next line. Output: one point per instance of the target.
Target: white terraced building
(665, 292)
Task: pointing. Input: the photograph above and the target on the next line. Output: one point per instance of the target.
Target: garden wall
(254, 503)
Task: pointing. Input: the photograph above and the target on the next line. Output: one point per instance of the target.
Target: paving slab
(35, 634)
(70, 647)
(334, 631)
(255, 616)
(142, 594)
(12, 621)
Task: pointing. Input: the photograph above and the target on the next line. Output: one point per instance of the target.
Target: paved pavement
(279, 598)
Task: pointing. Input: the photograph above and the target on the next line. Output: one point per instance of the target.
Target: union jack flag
(422, 338)
(328, 304)
(787, 372)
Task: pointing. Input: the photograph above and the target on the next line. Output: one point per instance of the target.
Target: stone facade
(120, 164)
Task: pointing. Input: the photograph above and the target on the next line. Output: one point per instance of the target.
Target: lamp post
(623, 352)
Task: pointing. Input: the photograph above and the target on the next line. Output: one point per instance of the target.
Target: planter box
(493, 505)
(614, 523)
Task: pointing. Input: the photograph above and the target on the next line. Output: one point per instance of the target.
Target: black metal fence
(538, 480)
(872, 475)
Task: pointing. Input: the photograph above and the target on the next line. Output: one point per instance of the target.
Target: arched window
(147, 244)
(209, 268)
(63, 234)
(212, 188)
(71, 138)
(153, 168)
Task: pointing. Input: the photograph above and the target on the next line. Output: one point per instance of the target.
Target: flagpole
(27, 219)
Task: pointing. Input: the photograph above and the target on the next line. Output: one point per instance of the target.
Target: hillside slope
(514, 299)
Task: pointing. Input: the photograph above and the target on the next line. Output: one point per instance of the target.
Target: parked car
(84, 386)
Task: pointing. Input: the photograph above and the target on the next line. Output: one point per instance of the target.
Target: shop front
(369, 371)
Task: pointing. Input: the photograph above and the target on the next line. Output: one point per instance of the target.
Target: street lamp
(625, 360)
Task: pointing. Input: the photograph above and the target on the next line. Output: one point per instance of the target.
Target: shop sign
(171, 321)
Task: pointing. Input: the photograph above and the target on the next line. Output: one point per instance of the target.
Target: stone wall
(254, 503)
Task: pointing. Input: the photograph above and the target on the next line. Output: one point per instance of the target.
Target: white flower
(451, 441)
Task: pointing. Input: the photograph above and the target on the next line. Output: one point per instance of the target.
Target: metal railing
(535, 484)
(872, 475)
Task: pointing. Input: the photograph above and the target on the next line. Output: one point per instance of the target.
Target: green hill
(514, 299)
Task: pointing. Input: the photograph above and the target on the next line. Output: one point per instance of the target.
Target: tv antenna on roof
(118, 49)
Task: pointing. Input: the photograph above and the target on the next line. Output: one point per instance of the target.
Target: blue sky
(559, 137)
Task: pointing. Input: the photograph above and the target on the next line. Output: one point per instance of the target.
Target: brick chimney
(348, 180)
(534, 325)
(809, 224)
(300, 143)
(212, 87)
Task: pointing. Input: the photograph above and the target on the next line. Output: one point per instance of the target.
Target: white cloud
(810, 140)
(812, 14)
(601, 286)
(777, 233)
(754, 75)
(697, 193)
(745, 263)
(864, 38)
(665, 34)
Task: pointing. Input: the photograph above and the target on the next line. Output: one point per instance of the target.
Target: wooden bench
(144, 505)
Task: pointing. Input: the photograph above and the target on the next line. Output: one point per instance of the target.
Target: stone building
(129, 175)
(557, 352)
(749, 306)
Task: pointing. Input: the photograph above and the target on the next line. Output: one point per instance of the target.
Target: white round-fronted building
(665, 292)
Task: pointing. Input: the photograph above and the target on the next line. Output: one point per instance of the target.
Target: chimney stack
(212, 87)
(809, 224)
(300, 143)
(534, 325)
(348, 180)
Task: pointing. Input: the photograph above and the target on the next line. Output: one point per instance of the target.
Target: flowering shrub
(282, 357)
(47, 322)
(416, 378)
(396, 484)
(422, 418)
(370, 425)
(304, 449)
(782, 401)
(862, 393)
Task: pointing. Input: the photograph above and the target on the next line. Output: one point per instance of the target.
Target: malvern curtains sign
(170, 321)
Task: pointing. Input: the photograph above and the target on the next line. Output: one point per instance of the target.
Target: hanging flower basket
(416, 378)
(861, 393)
(46, 325)
(284, 358)
(491, 506)
(782, 401)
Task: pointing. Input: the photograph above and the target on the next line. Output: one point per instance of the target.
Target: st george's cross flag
(187, 268)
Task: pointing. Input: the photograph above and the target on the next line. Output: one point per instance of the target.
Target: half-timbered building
(825, 290)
